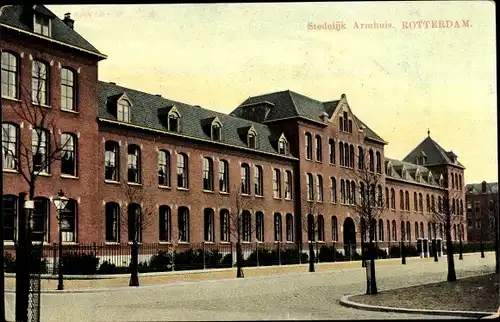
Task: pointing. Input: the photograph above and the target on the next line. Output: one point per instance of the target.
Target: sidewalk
(93, 283)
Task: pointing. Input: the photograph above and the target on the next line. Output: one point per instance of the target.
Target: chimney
(68, 21)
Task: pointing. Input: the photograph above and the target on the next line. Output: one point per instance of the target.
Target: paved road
(300, 297)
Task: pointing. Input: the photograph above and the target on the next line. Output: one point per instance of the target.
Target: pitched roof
(21, 17)
(144, 113)
(477, 188)
(435, 153)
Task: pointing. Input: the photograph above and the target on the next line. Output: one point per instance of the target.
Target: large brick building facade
(189, 163)
(482, 210)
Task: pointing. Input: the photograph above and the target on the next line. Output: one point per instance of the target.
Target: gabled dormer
(418, 175)
(212, 126)
(170, 118)
(441, 180)
(343, 112)
(388, 168)
(283, 146)
(430, 178)
(404, 173)
(249, 135)
(121, 107)
(42, 21)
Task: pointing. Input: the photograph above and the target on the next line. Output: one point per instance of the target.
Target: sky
(401, 80)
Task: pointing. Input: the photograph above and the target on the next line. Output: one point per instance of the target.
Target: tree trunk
(452, 277)
(363, 253)
(372, 287)
(239, 260)
(434, 248)
(460, 256)
(134, 268)
(311, 257)
(497, 259)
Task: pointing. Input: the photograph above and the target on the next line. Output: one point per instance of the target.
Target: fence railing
(95, 258)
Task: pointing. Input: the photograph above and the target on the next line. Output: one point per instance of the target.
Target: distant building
(482, 209)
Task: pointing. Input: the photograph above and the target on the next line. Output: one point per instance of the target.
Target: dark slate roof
(144, 113)
(435, 153)
(477, 188)
(288, 104)
(21, 17)
(412, 168)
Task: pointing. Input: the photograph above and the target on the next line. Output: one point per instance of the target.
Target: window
(223, 176)
(422, 230)
(10, 75)
(123, 111)
(380, 230)
(433, 205)
(440, 202)
(277, 227)
(388, 230)
(407, 201)
(10, 143)
(319, 148)
(331, 145)
(69, 220)
(429, 229)
(259, 226)
(478, 223)
(341, 153)
(182, 171)
(342, 191)
(69, 154)
(370, 156)
(393, 199)
(258, 181)
(39, 83)
(68, 90)
(415, 201)
(209, 233)
(40, 218)
(133, 164)
(408, 231)
(310, 187)
(333, 187)
(224, 225)
(321, 228)
(216, 132)
(361, 158)
(276, 183)
(351, 156)
(379, 162)
(173, 122)
(387, 198)
(183, 224)
(289, 227)
(401, 200)
(350, 126)
(42, 25)
(39, 149)
(353, 192)
(348, 192)
(380, 197)
(319, 187)
(245, 179)
(427, 203)
(394, 231)
(346, 122)
(335, 229)
(288, 184)
(134, 222)
(308, 146)
(208, 174)
(9, 217)
(165, 228)
(164, 168)
(460, 182)
(252, 140)
(346, 155)
(111, 165)
(341, 123)
(452, 181)
(420, 202)
(477, 206)
(282, 146)
(247, 226)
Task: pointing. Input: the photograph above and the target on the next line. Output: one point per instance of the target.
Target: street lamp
(60, 201)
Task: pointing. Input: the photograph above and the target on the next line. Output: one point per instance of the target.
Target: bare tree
(138, 215)
(311, 218)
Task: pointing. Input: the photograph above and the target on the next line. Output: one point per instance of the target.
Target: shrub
(395, 251)
(161, 261)
(10, 264)
(79, 263)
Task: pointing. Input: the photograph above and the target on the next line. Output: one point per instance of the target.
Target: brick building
(482, 210)
(189, 163)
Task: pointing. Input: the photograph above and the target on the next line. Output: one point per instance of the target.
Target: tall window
(341, 123)
(353, 192)
(259, 226)
(252, 140)
(420, 202)
(276, 183)
(39, 80)
(335, 229)
(282, 146)
(351, 156)
(40, 218)
(133, 164)
(394, 231)
(380, 230)
(111, 165)
(346, 155)
(10, 75)
(68, 90)
(123, 111)
(209, 229)
(165, 223)
(401, 200)
(309, 146)
(9, 217)
(417, 235)
(68, 154)
(289, 227)
(321, 228)
(40, 149)
(224, 225)
(245, 179)
(183, 224)
(361, 158)
(182, 171)
(10, 145)
(428, 203)
(341, 153)
(408, 231)
(42, 25)
(223, 176)
(379, 196)
(388, 230)
(319, 187)
(319, 148)
(216, 133)
(69, 217)
(333, 187)
(393, 199)
(310, 187)
(247, 226)
(258, 181)
(164, 168)
(371, 161)
(277, 228)
(348, 192)
(288, 184)
(407, 201)
(342, 191)
(134, 222)
(387, 198)
(433, 204)
(112, 214)
(379, 162)
(331, 145)
(350, 126)
(415, 201)
(208, 174)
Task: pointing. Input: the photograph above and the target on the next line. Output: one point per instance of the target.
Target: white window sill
(276, 198)
(9, 243)
(182, 189)
(224, 193)
(225, 242)
(208, 191)
(247, 195)
(10, 171)
(183, 243)
(164, 187)
(15, 99)
(256, 196)
(163, 242)
(69, 111)
(44, 174)
(68, 176)
(134, 184)
(130, 243)
(209, 242)
(67, 243)
(111, 243)
(41, 105)
(111, 181)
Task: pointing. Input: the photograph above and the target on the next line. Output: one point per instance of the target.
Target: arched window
(247, 226)
(258, 180)
(361, 159)
(319, 187)
(208, 174)
(277, 228)
(353, 192)
(415, 201)
(452, 181)
(164, 168)
(371, 160)
(388, 230)
(460, 186)
(321, 228)
(335, 229)
(224, 225)
(331, 144)
(10, 75)
(288, 184)
(223, 176)
(394, 231)
(408, 231)
(134, 222)
(420, 202)
(165, 224)
(134, 164)
(341, 154)
(123, 111)
(422, 230)
(379, 196)
(319, 148)
(433, 205)
(310, 187)
(333, 187)
(380, 230)
(183, 224)
(342, 191)
(407, 200)
(401, 200)
(40, 219)
(173, 121)
(346, 155)
(112, 214)
(111, 161)
(309, 145)
(403, 231)
(10, 217)
(289, 227)
(182, 171)
(379, 162)
(393, 199)
(10, 145)
(348, 192)
(351, 156)
(216, 131)
(259, 226)
(387, 199)
(208, 225)
(252, 139)
(245, 179)
(417, 236)
(277, 183)
(69, 154)
(69, 221)
(39, 80)
(68, 90)
(40, 147)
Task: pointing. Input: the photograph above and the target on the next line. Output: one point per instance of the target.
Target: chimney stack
(68, 21)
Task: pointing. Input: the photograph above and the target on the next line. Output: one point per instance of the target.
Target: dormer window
(252, 139)
(431, 178)
(42, 25)
(282, 145)
(417, 175)
(216, 131)
(123, 110)
(173, 122)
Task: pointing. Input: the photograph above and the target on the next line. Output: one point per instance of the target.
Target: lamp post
(60, 201)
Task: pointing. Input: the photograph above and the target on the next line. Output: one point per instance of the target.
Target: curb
(344, 301)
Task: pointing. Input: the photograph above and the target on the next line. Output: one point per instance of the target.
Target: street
(302, 296)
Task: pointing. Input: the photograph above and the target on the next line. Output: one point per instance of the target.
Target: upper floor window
(379, 162)
(276, 183)
(428, 203)
(10, 145)
(252, 139)
(134, 164)
(282, 146)
(216, 132)
(341, 154)
(319, 148)
(258, 181)
(387, 198)
(361, 158)
(331, 145)
(123, 111)
(310, 187)
(309, 146)
(69, 154)
(39, 83)
(223, 176)
(182, 171)
(208, 174)
(351, 156)
(68, 91)
(10, 75)
(393, 199)
(111, 161)
(420, 202)
(319, 187)
(350, 126)
(42, 25)
(164, 168)
(341, 123)
(245, 179)
(40, 150)
(401, 200)
(333, 186)
(407, 201)
(288, 184)
(346, 122)
(371, 161)
(346, 155)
